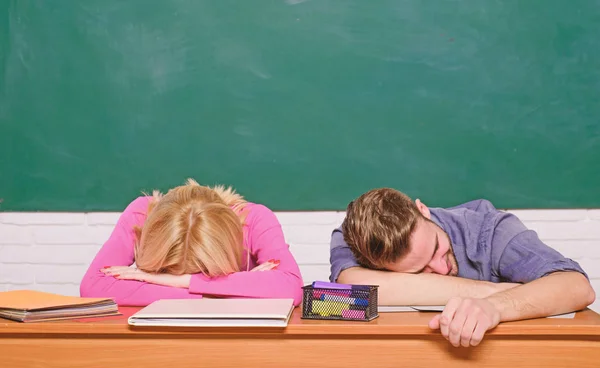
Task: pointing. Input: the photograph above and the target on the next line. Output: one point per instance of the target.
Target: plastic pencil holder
(358, 303)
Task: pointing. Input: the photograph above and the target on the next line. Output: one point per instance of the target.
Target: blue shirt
(489, 245)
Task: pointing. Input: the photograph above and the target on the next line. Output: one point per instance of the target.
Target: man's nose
(438, 266)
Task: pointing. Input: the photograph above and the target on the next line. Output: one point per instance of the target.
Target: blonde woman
(191, 242)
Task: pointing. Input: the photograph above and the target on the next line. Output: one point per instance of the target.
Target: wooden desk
(392, 340)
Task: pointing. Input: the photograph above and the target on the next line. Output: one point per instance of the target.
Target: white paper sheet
(439, 308)
(429, 308)
(394, 308)
(566, 315)
(405, 308)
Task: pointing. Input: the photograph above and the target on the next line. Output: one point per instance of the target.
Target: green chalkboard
(300, 105)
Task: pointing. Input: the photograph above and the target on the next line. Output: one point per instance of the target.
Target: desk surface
(584, 323)
(392, 340)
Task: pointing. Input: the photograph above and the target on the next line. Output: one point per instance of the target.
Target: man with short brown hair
(505, 272)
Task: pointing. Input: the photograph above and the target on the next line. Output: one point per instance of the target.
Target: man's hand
(464, 321)
(132, 273)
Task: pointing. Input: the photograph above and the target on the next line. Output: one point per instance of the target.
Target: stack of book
(37, 306)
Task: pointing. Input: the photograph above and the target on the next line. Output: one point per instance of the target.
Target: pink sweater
(263, 236)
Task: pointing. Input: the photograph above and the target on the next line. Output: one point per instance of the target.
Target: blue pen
(355, 301)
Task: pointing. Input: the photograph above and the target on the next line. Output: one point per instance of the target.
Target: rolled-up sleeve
(340, 255)
(518, 254)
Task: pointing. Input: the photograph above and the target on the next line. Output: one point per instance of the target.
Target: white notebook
(207, 312)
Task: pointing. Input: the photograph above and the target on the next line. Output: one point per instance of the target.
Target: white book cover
(206, 312)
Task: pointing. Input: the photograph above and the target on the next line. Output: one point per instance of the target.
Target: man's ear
(423, 209)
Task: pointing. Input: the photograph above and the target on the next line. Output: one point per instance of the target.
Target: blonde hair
(192, 229)
(378, 226)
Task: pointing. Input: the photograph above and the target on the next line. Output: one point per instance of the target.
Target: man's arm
(420, 289)
(557, 293)
(552, 284)
(464, 321)
(404, 288)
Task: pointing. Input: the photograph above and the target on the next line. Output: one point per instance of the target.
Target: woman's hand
(132, 273)
(271, 264)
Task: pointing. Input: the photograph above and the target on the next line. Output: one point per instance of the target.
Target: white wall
(51, 251)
